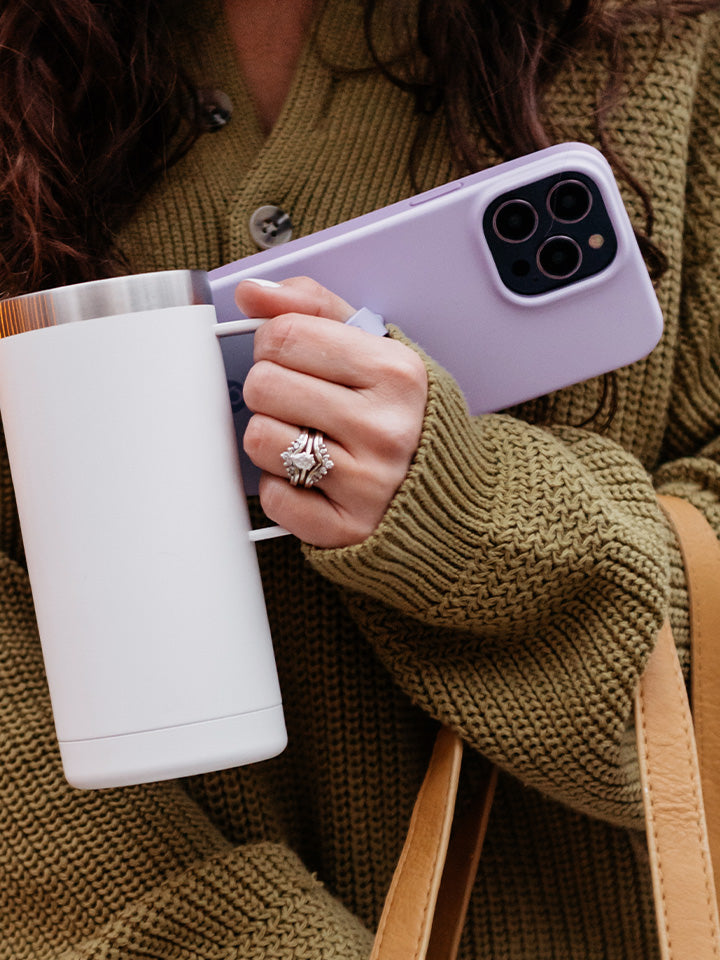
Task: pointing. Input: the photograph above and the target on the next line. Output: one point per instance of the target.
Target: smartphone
(520, 280)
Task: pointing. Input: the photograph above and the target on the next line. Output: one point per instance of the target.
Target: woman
(506, 575)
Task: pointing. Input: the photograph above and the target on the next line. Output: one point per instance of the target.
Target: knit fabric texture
(513, 590)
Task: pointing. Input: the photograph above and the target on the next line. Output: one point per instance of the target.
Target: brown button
(270, 226)
(214, 109)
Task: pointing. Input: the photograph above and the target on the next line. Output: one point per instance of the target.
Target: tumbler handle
(228, 329)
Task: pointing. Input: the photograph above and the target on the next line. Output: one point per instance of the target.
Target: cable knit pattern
(513, 589)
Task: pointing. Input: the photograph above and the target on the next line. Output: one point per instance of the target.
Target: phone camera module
(515, 221)
(559, 258)
(549, 233)
(569, 201)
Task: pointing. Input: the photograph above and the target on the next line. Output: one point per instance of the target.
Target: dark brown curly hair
(93, 106)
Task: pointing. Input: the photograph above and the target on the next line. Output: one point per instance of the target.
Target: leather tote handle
(461, 864)
(413, 914)
(701, 558)
(425, 907)
(683, 886)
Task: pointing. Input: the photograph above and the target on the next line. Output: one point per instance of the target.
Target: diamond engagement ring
(307, 459)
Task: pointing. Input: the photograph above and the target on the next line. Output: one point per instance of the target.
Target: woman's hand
(365, 393)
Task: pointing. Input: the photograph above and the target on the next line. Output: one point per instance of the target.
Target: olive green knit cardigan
(513, 589)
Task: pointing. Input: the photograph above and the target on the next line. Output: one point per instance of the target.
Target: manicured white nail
(261, 283)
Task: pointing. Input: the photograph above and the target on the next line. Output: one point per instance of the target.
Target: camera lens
(569, 201)
(515, 220)
(559, 258)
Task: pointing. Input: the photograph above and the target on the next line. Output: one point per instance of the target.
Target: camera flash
(596, 241)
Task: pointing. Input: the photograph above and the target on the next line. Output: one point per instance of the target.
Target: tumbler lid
(104, 298)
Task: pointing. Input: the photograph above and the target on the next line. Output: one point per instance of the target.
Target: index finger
(325, 349)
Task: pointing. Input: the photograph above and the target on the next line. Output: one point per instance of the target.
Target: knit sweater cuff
(498, 518)
(426, 520)
(255, 901)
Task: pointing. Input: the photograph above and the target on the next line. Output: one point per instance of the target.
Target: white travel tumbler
(145, 581)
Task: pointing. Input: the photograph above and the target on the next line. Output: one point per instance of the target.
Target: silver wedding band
(307, 459)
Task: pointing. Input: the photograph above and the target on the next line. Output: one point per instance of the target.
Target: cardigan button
(214, 109)
(270, 226)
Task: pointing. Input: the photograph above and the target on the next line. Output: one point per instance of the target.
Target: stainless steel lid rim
(106, 297)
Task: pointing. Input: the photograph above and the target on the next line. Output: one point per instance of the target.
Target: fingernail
(261, 283)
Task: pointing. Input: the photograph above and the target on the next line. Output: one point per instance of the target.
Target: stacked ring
(307, 459)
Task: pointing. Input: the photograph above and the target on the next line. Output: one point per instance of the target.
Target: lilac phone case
(425, 265)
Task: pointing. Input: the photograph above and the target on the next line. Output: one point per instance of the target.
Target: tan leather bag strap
(425, 907)
(701, 556)
(404, 929)
(680, 864)
(417, 922)
(461, 864)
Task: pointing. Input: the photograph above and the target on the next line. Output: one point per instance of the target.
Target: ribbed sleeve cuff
(256, 901)
(427, 519)
(503, 521)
